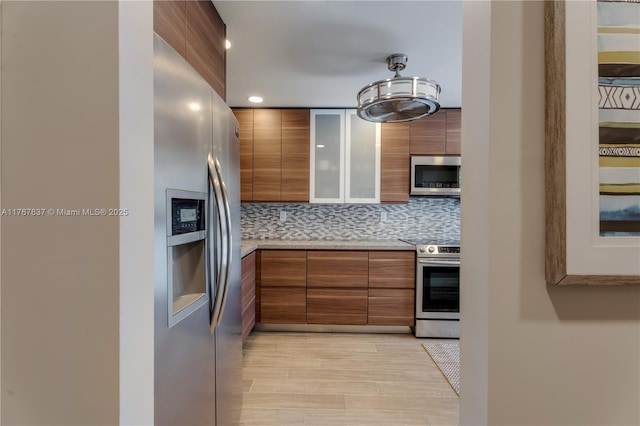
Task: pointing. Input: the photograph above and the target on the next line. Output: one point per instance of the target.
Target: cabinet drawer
(337, 306)
(338, 269)
(248, 280)
(283, 268)
(248, 317)
(283, 305)
(391, 307)
(392, 269)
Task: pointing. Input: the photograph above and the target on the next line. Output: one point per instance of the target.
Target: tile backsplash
(423, 218)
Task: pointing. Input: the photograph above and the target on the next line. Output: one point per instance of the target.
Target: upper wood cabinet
(196, 31)
(245, 125)
(295, 155)
(267, 154)
(454, 132)
(279, 168)
(274, 154)
(206, 51)
(438, 134)
(394, 185)
(170, 23)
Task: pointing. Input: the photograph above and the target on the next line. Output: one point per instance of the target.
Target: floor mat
(446, 355)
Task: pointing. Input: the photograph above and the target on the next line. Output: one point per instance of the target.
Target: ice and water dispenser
(186, 253)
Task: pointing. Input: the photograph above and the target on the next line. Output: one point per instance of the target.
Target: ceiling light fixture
(399, 98)
(255, 99)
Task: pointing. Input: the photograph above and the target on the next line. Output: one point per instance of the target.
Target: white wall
(136, 195)
(77, 291)
(59, 273)
(555, 356)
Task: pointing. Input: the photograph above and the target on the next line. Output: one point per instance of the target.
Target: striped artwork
(619, 116)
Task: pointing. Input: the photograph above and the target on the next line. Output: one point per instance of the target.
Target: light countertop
(249, 246)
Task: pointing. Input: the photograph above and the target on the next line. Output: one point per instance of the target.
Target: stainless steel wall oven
(438, 291)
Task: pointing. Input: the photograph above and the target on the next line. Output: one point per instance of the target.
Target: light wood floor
(343, 379)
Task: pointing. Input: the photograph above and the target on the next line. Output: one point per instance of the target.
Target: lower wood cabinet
(337, 269)
(337, 284)
(282, 280)
(336, 306)
(391, 288)
(248, 293)
(283, 305)
(391, 307)
(283, 268)
(336, 287)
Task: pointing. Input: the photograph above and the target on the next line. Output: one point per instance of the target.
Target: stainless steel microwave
(435, 175)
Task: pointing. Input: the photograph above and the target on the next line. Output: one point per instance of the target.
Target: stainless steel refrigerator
(198, 345)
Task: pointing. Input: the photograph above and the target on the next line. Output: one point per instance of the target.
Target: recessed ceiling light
(227, 44)
(195, 106)
(255, 99)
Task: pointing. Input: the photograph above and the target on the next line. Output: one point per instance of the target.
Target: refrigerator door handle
(221, 275)
(227, 258)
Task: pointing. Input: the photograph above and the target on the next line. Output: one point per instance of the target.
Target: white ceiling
(321, 53)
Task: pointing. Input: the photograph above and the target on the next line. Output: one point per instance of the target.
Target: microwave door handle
(217, 304)
(227, 241)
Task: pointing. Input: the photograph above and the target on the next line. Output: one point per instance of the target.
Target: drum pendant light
(399, 98)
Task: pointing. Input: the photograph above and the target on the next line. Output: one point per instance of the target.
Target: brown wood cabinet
(391, 288)
(170, 22)
(337, 284)
(196, 31)
(274, 149)
(337, 269)
(391, 307)
(347, 287)
(394, 163)
(245, 125)
(282, 287)
(438, 134)
(295, 155)
(454, 132)
(267, 154)
(248, 293)
(392, 269)
(429, 135)
(336, 306)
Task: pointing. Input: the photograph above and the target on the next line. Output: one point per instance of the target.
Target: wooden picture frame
(555, 159)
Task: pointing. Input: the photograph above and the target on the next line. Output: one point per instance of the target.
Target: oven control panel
(427, 250)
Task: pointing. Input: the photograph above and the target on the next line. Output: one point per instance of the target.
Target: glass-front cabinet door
(345, 158)
(362, 162)
(327, 156)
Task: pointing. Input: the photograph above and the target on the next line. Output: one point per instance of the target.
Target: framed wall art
(592, 142)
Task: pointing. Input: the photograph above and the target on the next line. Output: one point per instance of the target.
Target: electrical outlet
(383, 216)
(283, 215)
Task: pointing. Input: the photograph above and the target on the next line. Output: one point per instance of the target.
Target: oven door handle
(439, 262)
